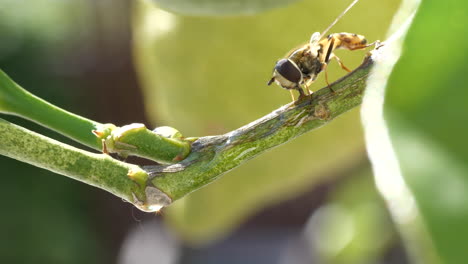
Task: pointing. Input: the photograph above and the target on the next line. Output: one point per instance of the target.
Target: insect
(302, 65)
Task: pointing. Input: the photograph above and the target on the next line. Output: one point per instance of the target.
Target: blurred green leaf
(370, 232)
(220, 7)
(427, 117)
(46, 218)
(208, 76)
(45, 23)
(45, 226)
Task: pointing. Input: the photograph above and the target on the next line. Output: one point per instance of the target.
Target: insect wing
(314, 39)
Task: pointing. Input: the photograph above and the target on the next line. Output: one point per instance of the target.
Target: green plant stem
(124, 180)
(127, 140)
(210, 157)
(213, 156)
(17, 101)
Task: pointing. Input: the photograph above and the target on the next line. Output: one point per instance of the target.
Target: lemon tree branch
(152, 187)
(134, 139)
(124, 180)
(213, 156)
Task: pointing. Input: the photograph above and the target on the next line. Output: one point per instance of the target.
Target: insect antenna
(338, 18)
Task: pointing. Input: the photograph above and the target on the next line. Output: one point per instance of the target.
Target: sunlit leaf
(427, 119)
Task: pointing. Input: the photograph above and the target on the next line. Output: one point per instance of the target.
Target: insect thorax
(309, 64)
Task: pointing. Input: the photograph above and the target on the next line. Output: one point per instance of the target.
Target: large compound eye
(289, 70)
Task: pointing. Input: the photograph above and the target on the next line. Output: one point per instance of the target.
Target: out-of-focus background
(312, 200)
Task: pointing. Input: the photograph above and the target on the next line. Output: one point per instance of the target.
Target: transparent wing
(314, 39)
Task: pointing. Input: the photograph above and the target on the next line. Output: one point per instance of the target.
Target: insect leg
(301, 92)
(307, 85)
(304, 87)
(307, 90)
(341, 63)
(376, 43)
(326, 77)
(292, 95)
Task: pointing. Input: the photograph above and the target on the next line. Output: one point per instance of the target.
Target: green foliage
(354, 226)
(206, 75)
(122, 179)
(45, 218)
(53, 226)
(427, 111)
(134, 139)
(15, 100)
